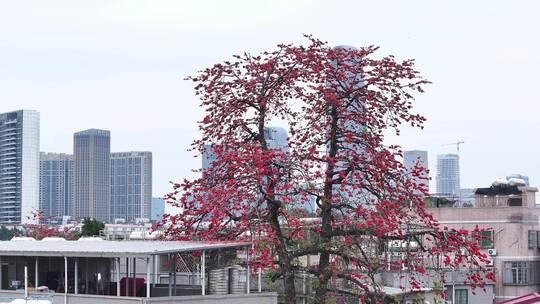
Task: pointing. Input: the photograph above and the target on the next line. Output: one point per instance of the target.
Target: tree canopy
(338, 103)
(91, 227)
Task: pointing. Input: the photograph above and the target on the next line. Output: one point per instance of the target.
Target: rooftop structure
(98, 271)
(505, 196)
(119, 232)
(524, 178)
(532, 298)
(108, 249)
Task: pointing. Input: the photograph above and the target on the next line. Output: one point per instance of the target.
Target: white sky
(119, 65)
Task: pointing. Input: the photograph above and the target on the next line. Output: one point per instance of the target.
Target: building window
(521, 272)
(515, 202)
(532, 239)
(487, 240)
(518, 272)
(462, 296)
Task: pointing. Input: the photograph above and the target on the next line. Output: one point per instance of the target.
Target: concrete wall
(259, 298)
(477, 296)
(74, 299)
(254, 298)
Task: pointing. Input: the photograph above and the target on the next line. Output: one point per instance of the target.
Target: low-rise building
(511, 218)
(119, 232)
(140, 272)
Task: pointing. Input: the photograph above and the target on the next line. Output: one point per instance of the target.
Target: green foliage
(6, 234)
(91, 227)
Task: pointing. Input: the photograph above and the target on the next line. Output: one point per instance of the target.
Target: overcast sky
(119, 65)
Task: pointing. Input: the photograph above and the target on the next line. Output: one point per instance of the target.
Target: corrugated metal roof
(526, 299)
(108, 249)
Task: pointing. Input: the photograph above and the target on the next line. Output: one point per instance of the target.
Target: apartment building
(512, 219)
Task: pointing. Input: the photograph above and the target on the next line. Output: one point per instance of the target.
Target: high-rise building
(276, 137)
(19, 166)
(448, 174)
(55, 186)
(92, 161)
(131, 186)
(411, 158)
(208, 156)
(158, 209)
(354, 81)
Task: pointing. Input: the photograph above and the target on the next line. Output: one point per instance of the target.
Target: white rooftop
(107, 249)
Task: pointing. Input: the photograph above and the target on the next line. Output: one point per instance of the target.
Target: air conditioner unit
(489, 262)
(395, 244)
(492, 252)
(398, 254)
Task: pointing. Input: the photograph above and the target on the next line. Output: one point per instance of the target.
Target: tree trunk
(287, 271)
(289, 288)
(326, 213)
(322, 284)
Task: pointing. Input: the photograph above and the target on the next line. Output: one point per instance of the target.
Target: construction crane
(457, 144)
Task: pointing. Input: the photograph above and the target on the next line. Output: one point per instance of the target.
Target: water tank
(499, 182)
(525, 178)
(218, 281)
(237, 280)
(516, 182)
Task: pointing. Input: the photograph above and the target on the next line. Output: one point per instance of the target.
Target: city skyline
(112, 69)
(278, 136)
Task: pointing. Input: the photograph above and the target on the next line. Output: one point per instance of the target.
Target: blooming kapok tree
(337, 104)
(38, 230)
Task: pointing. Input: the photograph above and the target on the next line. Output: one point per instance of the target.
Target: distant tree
(6, 234)
(41, 230)
(91, 227)
(338, 104)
